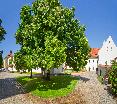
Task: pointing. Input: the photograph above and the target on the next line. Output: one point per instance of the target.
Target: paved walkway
(89, 88)
(10, 91)
(93, 91)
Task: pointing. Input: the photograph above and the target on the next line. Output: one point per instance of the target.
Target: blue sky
(99, 17)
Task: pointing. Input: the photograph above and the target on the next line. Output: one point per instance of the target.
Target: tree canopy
(2, 31)
(50, 35)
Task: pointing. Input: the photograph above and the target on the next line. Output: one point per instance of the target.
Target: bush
(113, 77)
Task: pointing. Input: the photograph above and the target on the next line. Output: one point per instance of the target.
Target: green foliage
(49, 35)
(2, 32)
(100, 78)
(10, 61)
(68, 71)
(113, 77)
(20, 61)
(1, 61)
(58, 86)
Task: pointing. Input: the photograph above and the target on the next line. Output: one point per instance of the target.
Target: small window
(109, 41)
(93, 60)
(89, 61)
(89, 68)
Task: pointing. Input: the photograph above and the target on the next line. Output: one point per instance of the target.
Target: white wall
(108, 52)
(92, 64)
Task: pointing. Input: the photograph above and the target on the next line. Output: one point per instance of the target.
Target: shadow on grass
(56, 83)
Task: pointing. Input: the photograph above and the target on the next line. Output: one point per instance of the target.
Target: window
(89, 61)
(93, 60)
(89, 68)
(111, 48)
(109, 41)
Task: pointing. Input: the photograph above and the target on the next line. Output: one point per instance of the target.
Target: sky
(99, 17)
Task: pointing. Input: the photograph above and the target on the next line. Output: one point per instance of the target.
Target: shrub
(113, 77)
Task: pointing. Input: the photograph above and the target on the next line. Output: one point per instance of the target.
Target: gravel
(88, 91)
(10, 91)
(93, 91)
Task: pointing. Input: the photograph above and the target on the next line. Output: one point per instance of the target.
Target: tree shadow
(109, 90)
(9, 87)
(84, 79)
(56, 83)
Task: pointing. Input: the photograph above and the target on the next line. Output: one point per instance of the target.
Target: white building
(108, 52)
(92, 62)
(103, 56)
(10, 66)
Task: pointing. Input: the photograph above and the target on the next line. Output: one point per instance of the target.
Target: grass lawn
(100, 79)
(58, 86)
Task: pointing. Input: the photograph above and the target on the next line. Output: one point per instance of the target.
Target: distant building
(92, 62)
(108, 52)
(100, 58)
(8, 61)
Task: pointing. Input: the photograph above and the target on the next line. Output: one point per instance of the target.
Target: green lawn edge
(58, 86)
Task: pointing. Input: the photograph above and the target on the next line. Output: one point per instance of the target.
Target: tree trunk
(43, 73)
(48, 75)
(31, 74)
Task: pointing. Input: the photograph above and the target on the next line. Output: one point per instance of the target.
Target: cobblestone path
(93, 91)
(10, 91)
(89, 89)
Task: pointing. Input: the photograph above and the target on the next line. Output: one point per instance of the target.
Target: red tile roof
(94, 52)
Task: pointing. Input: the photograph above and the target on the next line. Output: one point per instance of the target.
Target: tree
(20, 62)
(113, 77)
(2, 31)
(49, 33)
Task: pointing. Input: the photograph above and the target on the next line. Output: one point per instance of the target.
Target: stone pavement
(10, 91)
(89, 90)
(92, 90)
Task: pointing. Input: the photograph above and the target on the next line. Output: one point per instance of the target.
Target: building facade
(101, 58)
(92, 62)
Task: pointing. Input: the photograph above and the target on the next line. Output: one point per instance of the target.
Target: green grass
(57, 86)
(100, 79)
(68, 71)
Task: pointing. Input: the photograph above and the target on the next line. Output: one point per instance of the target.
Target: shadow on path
(9, 87)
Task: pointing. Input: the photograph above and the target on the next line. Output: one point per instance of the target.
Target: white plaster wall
(92, 64)
(108, 52)
(58, 70)
(38, 70)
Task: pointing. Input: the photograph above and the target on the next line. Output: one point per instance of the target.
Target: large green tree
(2, 33)
(49, 33)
